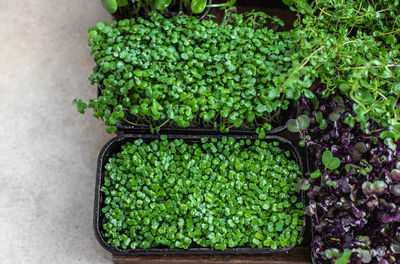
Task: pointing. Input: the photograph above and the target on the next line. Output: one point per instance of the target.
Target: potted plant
(183, 72)
(193, 194)
(353, 184)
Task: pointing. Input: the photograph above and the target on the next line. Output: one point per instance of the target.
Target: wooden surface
(298, 255)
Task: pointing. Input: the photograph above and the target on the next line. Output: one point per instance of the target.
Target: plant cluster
(218, 193)
(354, 188)
(353, 48)
(187, 72)
(130, 8)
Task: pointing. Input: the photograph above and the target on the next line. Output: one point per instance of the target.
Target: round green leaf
(330, 161)
(198, 6)
(162, 4)
(110, 5)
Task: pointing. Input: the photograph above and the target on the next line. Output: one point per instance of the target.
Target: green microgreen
(215, 193)
(330, 162)
(188, 72)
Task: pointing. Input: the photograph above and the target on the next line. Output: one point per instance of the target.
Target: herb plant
(218, 193)
(186, 72)
(353, 48)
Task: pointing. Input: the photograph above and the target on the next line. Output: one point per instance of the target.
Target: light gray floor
(48, 150)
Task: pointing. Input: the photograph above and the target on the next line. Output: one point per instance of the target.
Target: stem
(218, 5)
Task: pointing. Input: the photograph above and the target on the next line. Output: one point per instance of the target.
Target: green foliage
(217, 193)
(143, 7)
(198, 6)
(330, 161)
(315, 174)
(110, 5)
(80, 105)
(352, 47)
(344, 257)
(162, 4)
(303, 185)
(186, 72)
(299, 124)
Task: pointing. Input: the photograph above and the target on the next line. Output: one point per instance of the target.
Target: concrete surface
(48, 150)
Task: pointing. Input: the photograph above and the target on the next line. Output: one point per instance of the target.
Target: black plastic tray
(114, 146)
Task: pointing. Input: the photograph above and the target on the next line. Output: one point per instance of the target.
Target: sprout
(216, 193)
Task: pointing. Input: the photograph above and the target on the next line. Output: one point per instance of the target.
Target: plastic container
(118, 16)
(114, 146)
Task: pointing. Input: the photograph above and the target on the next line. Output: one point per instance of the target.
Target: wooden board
(298, 255)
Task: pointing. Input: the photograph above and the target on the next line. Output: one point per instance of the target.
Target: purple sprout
(356, 206)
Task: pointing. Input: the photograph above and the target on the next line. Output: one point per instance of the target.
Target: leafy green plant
(344, 258)
(142, 7)
(353, 48)
(297, 125)
(330, 161)
(216, 193)
(186, 72)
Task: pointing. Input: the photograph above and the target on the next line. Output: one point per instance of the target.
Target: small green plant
(353, 48)
(344, 258)
(297, 125)
(330, 162)
(143, 7)
(186, 72)
(217, 193)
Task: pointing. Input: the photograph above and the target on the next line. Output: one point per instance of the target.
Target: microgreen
(188, 72)
(138, 8)
(330, 161)
(299, 124)
(344, 258)
(354, 188)
(353, 48)
(110, 5)
(215, 193)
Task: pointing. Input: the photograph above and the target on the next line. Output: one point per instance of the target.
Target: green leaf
(387, 73)
(122, 2)
(111, 129)
(162, 4)
(80, 105)
(303, 185)
(387, 134)
(330, 161)
(198, 6)
(303, 7)
(345, 257)
(288, 2)
(110, 5)
(299, 124)
(315, 174)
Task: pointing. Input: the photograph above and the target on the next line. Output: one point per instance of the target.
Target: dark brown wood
(298, 255)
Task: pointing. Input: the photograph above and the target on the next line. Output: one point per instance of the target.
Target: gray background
(48, 150)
